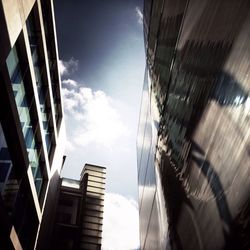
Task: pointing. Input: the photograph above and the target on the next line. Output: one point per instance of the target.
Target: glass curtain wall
(23, 107)
(9, 184)
(51, 52)
(39, 69)
(16, 196)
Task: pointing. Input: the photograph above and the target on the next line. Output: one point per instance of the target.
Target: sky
(102, 61)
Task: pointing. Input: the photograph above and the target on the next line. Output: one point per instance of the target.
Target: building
(79, 211)
(31, 120)
(193, 135)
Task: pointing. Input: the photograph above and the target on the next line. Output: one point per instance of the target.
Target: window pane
(18, 88)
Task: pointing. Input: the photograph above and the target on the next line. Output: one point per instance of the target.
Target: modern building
(194, 128)
(79, 211)
(31, 120)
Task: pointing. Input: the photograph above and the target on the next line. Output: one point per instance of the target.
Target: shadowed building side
(32, 131)
(79, 211)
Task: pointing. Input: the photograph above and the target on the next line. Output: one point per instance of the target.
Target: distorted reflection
(198, 122)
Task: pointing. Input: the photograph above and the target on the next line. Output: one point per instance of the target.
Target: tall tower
(193, 137)
(31, 119)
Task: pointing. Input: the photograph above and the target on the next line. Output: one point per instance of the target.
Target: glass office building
(194, 129)
(31, 120)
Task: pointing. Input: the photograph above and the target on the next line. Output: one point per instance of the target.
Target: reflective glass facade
(193, 135)
(40, 76)
(52, 59)
(23, 107)
(16, 197)
(31, 122)
(9, 183)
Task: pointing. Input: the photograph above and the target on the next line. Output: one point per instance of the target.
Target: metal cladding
(92, 220)
(194, 131)
(79, 211)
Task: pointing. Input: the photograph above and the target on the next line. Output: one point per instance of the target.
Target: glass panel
(151, 239)
(70, 183)
(24, 115)
(16, 199)
(38, 180)
(68, 209)
(24, 217)
(41, 86)
(52, 58)
(9, 185)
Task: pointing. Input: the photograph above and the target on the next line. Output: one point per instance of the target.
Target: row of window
(15, 190)
(16, 196)
(23, 108)
(25, 99)
(40, 75)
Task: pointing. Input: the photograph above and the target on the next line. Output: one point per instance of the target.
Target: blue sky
(102, 62)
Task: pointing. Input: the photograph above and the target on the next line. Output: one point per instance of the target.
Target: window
(22, 105)
(40, 75)
(68, 209)
(9, 185)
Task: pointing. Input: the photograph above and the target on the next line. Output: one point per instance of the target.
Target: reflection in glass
(52, 58)
(28, 129)
(9, 185)
(67, 209)
(42, 89)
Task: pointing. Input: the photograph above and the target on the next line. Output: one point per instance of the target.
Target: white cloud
(69, 82)
(139, 15)
(62, 67)
(96, 115)
(121, 223)
(68, 67)
(69, 145)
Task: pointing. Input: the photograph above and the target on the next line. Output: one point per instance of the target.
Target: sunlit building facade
(31, 119)
(194, 129)
(79, 211)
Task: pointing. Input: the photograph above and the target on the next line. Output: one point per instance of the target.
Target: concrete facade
(77, 222)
